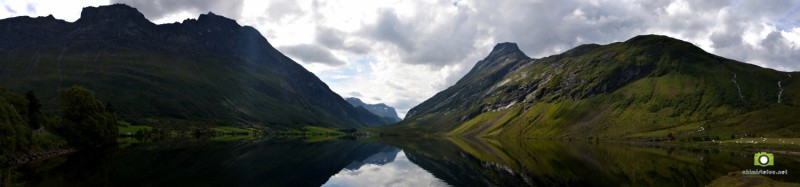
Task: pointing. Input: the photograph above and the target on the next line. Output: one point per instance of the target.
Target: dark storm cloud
(311, 54)
(156, 9)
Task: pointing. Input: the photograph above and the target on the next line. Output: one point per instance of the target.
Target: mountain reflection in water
(438, 162)
(391, 168)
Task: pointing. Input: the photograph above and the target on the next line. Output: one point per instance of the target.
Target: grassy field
(234, 133)
(132, 129)
(226, 138)
(316, 131)
(776, 141)
(228, 130)
(320, 134)
(320, 138)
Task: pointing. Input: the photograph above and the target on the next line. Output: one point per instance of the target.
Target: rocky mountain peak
(355, 101)
(505, 48)
(112, 14)
(218, 21)
(501, 53)
(379, 109)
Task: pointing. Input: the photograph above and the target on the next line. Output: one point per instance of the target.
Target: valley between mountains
(212, 71)
(113, 99)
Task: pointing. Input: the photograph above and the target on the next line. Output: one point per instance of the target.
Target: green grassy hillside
(647, 86)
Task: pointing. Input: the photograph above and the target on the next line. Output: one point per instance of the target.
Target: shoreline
(23, 159)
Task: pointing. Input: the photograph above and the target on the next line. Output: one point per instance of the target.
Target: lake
(443, 162)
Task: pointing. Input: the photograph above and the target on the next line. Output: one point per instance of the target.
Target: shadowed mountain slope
(209, 70)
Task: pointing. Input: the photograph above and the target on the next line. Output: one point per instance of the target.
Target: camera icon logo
(763, 159)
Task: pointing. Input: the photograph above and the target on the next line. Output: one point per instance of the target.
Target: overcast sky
(403, 52)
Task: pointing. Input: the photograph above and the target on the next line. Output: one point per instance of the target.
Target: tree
(8, 116)
(111, 110)
(14, 134)
(86, 122)
(34, 113)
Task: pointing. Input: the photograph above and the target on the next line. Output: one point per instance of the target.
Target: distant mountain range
(209, 70)
(386, 112)
(647, 86)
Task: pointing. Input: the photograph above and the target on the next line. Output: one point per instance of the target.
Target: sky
(402, 52)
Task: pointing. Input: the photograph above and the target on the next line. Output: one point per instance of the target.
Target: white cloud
(400, 172)
(65, 10)
(380, 79)
(402, 52)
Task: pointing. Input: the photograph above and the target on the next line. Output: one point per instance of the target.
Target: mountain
(647, 86)
(387, 113)
(209, 70)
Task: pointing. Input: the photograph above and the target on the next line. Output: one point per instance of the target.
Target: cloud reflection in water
(400, 172)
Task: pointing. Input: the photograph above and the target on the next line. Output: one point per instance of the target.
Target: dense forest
(82, 122)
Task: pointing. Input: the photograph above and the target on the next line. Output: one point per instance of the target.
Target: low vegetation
(133, 129)
(234, 130)
(82, 122)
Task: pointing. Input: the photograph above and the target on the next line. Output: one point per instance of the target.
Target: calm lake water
(446, 162)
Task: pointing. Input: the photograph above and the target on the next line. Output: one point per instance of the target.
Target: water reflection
(482, 162)
(204, 163)
(457, 162)
(390, 169)
(386, 155)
